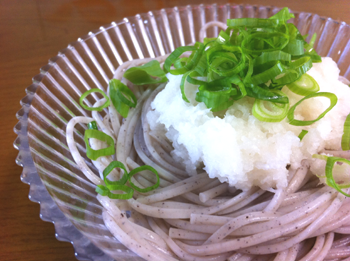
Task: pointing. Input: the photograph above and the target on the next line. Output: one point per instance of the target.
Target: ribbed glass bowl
(66, 197)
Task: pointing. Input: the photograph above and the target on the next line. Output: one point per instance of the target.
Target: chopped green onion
(260, 93)
(333, 101)
(271, 73)
(192, 80)
(273, 56)
(197, 51)
(182, 85)
(302, 134)
(216, 98)
(115, 164)
(257, 43)
(295, 47)
(145, 74)
(312, 40)
(202, 66)
(283, 14)
(311, 52)
(270, 111)
(95, 154)
(329, 174)
(223, 38)
(305, 85)
(92, 125)
(122, 97)
(99, 108)
(222, 59)
(345, 139)
(318, 156)
(263, 54)
(120, 184)
(142, 168)
(104, 191)
(290, 75)
(301, 65)
(252, 22)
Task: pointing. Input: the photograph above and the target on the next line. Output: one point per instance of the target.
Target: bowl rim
(24, 159)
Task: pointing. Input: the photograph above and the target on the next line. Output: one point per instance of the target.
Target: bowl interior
(89, 63)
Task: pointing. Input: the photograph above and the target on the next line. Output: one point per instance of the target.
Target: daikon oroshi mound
(238, 148)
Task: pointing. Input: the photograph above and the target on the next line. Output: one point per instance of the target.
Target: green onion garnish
(263, 54)
(268, 74)
(305, 85)
(120, 184)
(96, 134)
(333, 101)
(99, 108)
(274, 56)
(104, 191)
(115, 164)
(187, 64)
(148, 73)
(122, 97)
(142, 168)
(319, 156)
(254, 57)
(345, 139)
(329, 174)
(302, 134)
(270, 111)
(92, 125)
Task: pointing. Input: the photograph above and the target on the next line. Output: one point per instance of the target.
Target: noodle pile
(198, 218)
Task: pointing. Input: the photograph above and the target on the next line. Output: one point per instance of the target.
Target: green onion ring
(96, 134)
(104, 191)
(115, 164)
(92, 125)
(142, 168)
(276, 113)
(329, 174)
(302, 134)
(331, 96)
(305, 85)
(117, 90)
(345, 139)
(99, 108)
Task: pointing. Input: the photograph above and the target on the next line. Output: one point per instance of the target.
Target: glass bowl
(66, 198)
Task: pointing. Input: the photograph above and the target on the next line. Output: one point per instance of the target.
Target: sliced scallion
(104, 191)
(268, 74)
(197, 50)
(96, 134)
(92, 125)
(216, 98)
(305, 85)
(333, 101)
(273, 56)
(345, 139)
(329, 174)
(252, 22)
(269, 111)
(260, 93)
(115, 164)
(148, 73)
(142, 168)
(302, 134)
(122, 97)
(99, 108)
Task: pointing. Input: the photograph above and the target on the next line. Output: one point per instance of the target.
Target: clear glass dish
(66, 198)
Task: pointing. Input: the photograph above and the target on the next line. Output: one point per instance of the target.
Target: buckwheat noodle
(198, 218)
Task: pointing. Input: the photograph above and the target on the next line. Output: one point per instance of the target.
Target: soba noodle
(198, 218)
